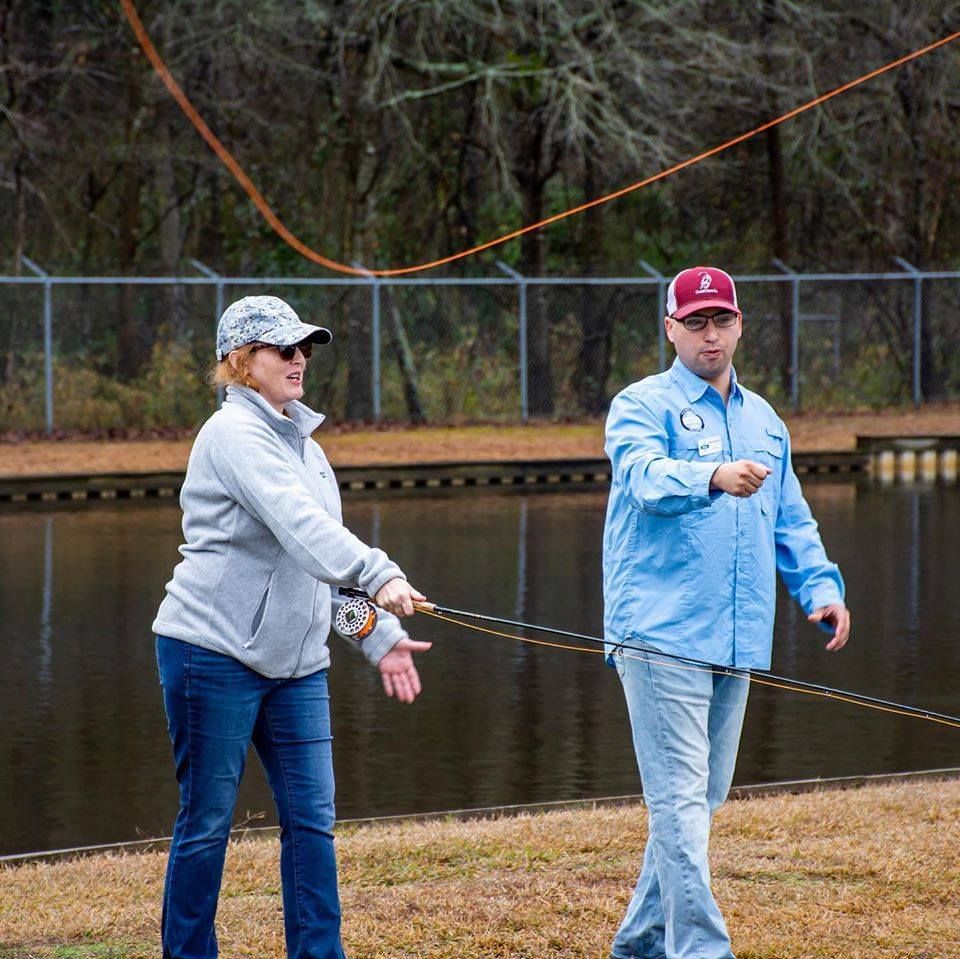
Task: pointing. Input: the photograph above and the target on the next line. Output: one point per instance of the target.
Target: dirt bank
(362, 447)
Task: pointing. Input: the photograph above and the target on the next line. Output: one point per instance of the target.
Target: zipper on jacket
(303, 641)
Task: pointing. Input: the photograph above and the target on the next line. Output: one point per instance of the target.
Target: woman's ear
(234, 359)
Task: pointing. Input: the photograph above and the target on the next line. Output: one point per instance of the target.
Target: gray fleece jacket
(264, 542)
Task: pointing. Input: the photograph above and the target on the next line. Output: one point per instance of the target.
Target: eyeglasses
(697, 321)
(286, 352)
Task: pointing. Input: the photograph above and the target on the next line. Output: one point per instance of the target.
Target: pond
(85, 758)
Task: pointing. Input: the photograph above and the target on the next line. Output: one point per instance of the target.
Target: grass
(872, 873)
(90, 951)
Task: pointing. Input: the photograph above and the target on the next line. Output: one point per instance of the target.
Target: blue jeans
(215, 708)
(686, 732)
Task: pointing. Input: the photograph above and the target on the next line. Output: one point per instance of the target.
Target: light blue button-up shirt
(693, 571)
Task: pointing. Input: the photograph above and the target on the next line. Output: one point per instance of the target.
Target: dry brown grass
(872, 873)
(437, 444)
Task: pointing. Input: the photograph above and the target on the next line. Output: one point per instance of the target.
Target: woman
(242, 632)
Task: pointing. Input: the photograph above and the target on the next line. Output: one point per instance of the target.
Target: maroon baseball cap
(699, 287)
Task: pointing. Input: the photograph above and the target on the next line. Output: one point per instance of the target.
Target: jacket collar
(300, 419)
(694, 386)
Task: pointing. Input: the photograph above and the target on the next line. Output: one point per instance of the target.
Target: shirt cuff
(702, 492)
(819, 597)
(381, 579)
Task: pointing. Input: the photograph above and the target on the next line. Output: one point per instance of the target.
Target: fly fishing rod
(361, 610)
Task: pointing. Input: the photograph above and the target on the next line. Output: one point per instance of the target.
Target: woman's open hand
(399, 675)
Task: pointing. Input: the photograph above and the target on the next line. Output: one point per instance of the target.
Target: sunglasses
(721, 321)
(287, 352)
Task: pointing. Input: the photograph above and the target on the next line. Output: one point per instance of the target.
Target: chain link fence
(132, 353)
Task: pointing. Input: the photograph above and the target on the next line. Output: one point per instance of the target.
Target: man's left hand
(838, 616)
(399, 675)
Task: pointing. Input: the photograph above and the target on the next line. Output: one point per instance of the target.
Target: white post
(47, 339)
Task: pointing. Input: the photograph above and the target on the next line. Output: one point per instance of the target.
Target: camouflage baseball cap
(264, 319)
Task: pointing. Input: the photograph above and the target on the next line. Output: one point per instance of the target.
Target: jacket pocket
(257, 618)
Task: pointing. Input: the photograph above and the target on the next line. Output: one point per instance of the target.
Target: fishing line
(630, 651)
(277, 225)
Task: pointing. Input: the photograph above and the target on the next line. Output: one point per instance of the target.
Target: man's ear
(668, 326)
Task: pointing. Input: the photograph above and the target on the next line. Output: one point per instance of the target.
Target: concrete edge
(385, 478)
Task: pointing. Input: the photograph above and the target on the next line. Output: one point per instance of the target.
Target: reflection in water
(46, 630)
(519, 609)
(913, 569)
(85, 757)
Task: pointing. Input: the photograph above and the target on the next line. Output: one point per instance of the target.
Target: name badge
(709, 446)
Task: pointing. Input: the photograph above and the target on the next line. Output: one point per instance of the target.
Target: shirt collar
(735, 391)
(694, 386)
(303, 419)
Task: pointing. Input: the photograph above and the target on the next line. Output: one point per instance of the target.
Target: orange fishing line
(261, 204)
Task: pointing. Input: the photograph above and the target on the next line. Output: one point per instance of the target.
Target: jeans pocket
(618, 661)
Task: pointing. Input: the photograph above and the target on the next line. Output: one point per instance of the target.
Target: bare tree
(389, 132)
(551, 83)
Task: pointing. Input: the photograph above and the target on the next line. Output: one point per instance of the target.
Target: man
(704, 508)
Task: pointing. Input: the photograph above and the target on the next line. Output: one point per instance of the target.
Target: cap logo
(706, 284)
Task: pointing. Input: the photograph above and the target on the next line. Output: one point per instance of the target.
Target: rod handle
(355, 593)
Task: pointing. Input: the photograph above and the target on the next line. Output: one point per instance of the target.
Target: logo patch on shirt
(709, 446)
(690, 420)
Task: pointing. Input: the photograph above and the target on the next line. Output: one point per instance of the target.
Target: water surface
(84, 757)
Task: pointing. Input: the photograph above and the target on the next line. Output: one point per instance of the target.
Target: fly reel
(356, 619)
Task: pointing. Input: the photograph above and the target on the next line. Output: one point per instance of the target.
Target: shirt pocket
(770, 446)
(688, 450)
(716, 516)
(770, 449)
